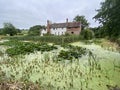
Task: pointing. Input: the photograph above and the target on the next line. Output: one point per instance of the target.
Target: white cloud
(26, 13)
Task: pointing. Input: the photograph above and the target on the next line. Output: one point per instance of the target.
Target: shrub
(35, 30)
(115, 39)
(48, 39)
(118, 41)
(18, 47)
(72, 52)
(87, 34)
(67, 34)
(97, 41)
(1, 31)
(9, 29)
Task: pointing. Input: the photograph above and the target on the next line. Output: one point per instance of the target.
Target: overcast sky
(27, 13)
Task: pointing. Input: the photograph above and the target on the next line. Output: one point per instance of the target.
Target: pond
(84, 73)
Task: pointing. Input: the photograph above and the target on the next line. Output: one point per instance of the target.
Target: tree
(109, 16)
(87, 34)
(1, 31)
(35, 30)
(83, 21)
(18, 30)
(9, 29)
(98, 32)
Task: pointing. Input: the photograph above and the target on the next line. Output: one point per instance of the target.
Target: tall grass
(46, 72)
(42, 70)
(49, 39)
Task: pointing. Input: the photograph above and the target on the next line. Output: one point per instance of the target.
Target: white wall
(43, 31)
(58, 31)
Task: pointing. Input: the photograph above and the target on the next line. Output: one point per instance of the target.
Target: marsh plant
(43, 70)
(71, 52)
(19, 47)
(47, 39)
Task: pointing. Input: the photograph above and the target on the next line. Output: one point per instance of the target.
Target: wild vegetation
(83, 20)
(108, 16)
(35, 30)
(55, 70)
(9, 29)
(48, 39)
(72, 52)
(87, 34)
(18, 47)
(68, 62)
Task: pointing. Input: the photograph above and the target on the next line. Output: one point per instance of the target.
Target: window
(72, 32)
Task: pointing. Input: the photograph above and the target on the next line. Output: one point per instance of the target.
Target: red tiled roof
(64, 25)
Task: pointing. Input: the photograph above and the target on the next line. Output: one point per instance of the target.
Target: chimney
(48, 26)
(48, 22)
(67, 20)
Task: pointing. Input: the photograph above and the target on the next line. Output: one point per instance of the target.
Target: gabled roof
(73, 24)
(65, 25)
(58, 25)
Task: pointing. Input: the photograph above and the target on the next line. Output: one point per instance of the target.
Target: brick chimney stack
(67, 20)
(48, 26)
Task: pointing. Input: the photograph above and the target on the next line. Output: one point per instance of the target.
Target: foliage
(118, 41)
(1, 31)
(87, 34)
(18, 30)
(72, 52)
(9, 29)
(32, 72)
(11, 43)
(50, 39)
(24, 31)
(97, 41)
(67, 34)
(98, 32)
(83, 21)
(108, 15)
(35, 30)
(48, 34)
(18, 47)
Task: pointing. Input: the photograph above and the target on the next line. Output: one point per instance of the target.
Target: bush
(72, 52)
(115, 39)
(35, 30)
(87, 34)
(118, 41)
(9, 29)
(67, 34)
(18, 47)
(1, 31)
(48, 39)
